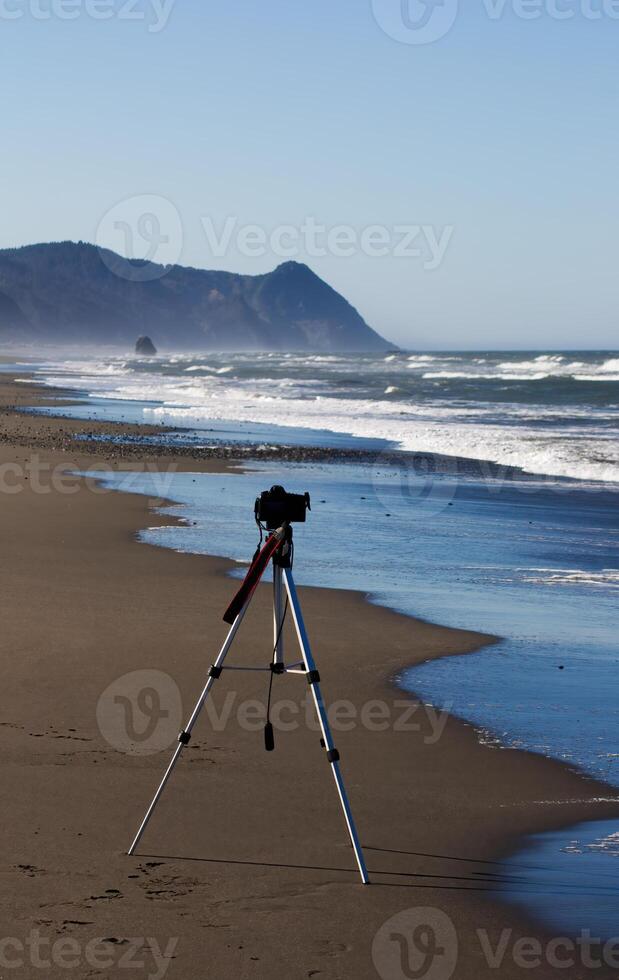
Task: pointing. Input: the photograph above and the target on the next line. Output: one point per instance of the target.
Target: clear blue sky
(504, 130)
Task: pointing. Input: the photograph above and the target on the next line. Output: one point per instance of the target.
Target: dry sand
(246, 863)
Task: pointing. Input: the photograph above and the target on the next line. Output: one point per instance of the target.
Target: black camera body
(274, 507)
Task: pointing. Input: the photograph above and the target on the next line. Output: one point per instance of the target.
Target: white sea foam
(489, 376)
(452, 374)
(555, 802)
(535, 369)
(608, 845)
(543, 439)
(611, 365)
(411, 428)
(608, 578)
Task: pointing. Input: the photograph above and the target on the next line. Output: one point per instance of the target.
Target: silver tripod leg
(185, 735)
(332, 754)
(278, 614)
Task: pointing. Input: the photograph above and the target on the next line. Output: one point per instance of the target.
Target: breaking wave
(551, 414)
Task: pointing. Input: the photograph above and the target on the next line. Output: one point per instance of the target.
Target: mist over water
(554, 414)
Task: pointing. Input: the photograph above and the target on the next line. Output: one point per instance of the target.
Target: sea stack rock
(145, 346)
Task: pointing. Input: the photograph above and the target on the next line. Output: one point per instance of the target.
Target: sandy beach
(246, 847)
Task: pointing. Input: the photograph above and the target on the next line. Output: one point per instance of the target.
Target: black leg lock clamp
(278, 668)
(184, 738)
(333, 755)
(215, 672)
(313, 677)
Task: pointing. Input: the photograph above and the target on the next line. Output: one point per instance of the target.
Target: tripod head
(275, 511)
(276, 506)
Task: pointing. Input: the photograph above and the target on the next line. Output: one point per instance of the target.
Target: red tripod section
(256, 571)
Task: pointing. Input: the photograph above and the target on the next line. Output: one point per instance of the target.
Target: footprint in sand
(30, 870)
(108, 896)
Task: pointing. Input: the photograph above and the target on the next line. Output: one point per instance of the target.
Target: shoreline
(115, 437)
(482, 784)
(518, 422)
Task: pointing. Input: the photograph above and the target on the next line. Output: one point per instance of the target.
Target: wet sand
(246, 868)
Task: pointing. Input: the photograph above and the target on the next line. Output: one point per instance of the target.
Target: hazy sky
(324, 126)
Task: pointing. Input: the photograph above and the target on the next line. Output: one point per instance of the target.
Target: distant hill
(79, 294)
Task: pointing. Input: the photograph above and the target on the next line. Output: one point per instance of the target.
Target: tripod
(278, 549)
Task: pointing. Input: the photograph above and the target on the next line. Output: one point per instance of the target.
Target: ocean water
(568, 879)
(536, 565)
(553, 414)
(535, 561)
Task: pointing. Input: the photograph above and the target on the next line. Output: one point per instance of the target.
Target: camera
(275, 506)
